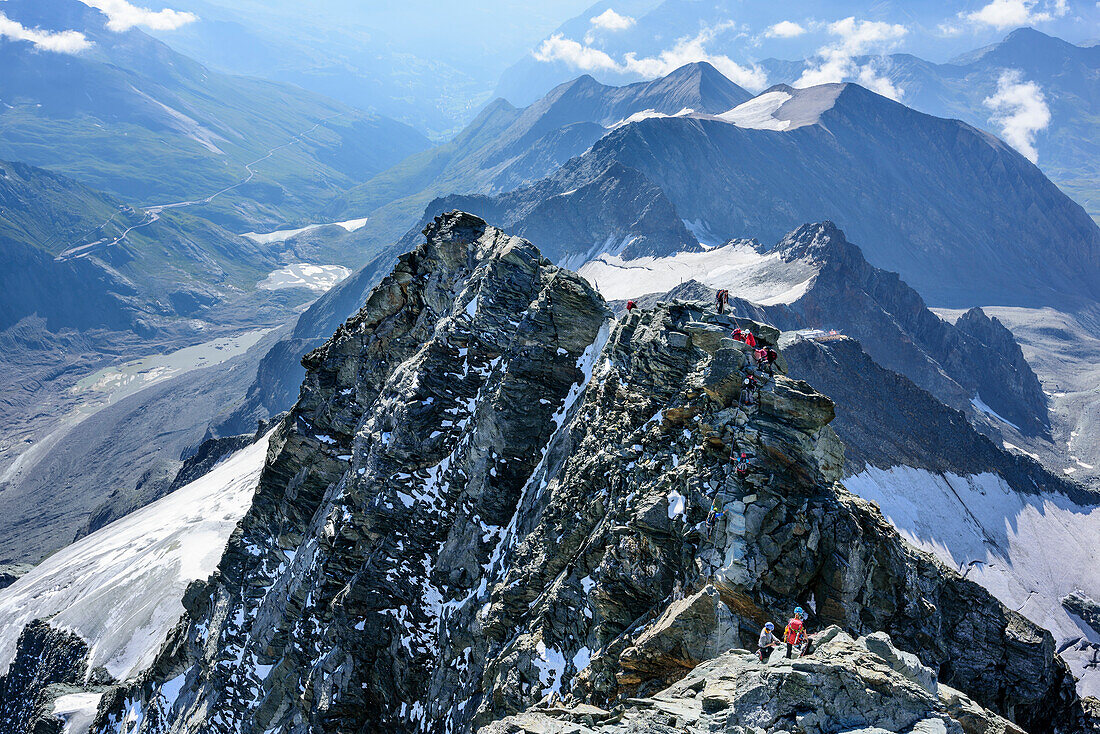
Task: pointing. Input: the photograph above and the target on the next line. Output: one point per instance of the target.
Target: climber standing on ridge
(768, 641)
(712, 518)
(721, 299)
(795, 634)
(761, 357)
(746, 393)
(743, 466)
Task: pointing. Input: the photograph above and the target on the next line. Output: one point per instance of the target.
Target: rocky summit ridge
(863, 684)
(491, 498)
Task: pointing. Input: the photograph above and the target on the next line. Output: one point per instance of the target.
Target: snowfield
(784, 109)
(120, 587)
(282, 235)
(1028, 550)
(318, 278)
(737, 266)
(759, 113)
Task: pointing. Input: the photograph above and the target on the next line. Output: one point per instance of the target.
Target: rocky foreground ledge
(863, 685)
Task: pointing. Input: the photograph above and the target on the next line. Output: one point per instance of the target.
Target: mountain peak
(696, 70)
(811, 240)
(1018, 46)
(585, 83)
(698, 86)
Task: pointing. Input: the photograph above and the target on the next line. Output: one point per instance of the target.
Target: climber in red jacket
(750, 339)
(630, 306)
(795, 634)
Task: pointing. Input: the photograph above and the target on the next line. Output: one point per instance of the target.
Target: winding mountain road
(151, 213)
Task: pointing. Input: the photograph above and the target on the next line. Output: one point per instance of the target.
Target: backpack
(793, 634)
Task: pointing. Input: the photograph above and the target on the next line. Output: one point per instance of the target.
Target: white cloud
(609, 20)
(785, 29)
(1021, 111)
(123, 15)
(686, 51)
(1002, 14)
(586, 58)
(66, 42)
(836, 62)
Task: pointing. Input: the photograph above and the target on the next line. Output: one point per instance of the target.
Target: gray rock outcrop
(1085, 608)
(845, 685)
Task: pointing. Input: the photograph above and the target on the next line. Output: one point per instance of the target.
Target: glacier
(120, 588)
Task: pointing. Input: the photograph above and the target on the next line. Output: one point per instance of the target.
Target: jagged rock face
(1085, 608)
(885, 420)
(647, 434)
(844, 685)
(486, 497)
(977, 358)
(47, 657)
(386, 489)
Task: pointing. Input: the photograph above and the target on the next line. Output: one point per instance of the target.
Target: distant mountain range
(506, 147)
(131, 117)
(906, 185)
(1066, 74)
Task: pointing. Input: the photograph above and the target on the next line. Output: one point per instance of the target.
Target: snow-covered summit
(784, 108)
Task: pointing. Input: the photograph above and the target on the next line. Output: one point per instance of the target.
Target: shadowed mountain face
(132, 117)
(885, 420)
(1065, 76)
(977, 358)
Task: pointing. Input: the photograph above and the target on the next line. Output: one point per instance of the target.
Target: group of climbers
(744, 336)
(794, 636)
